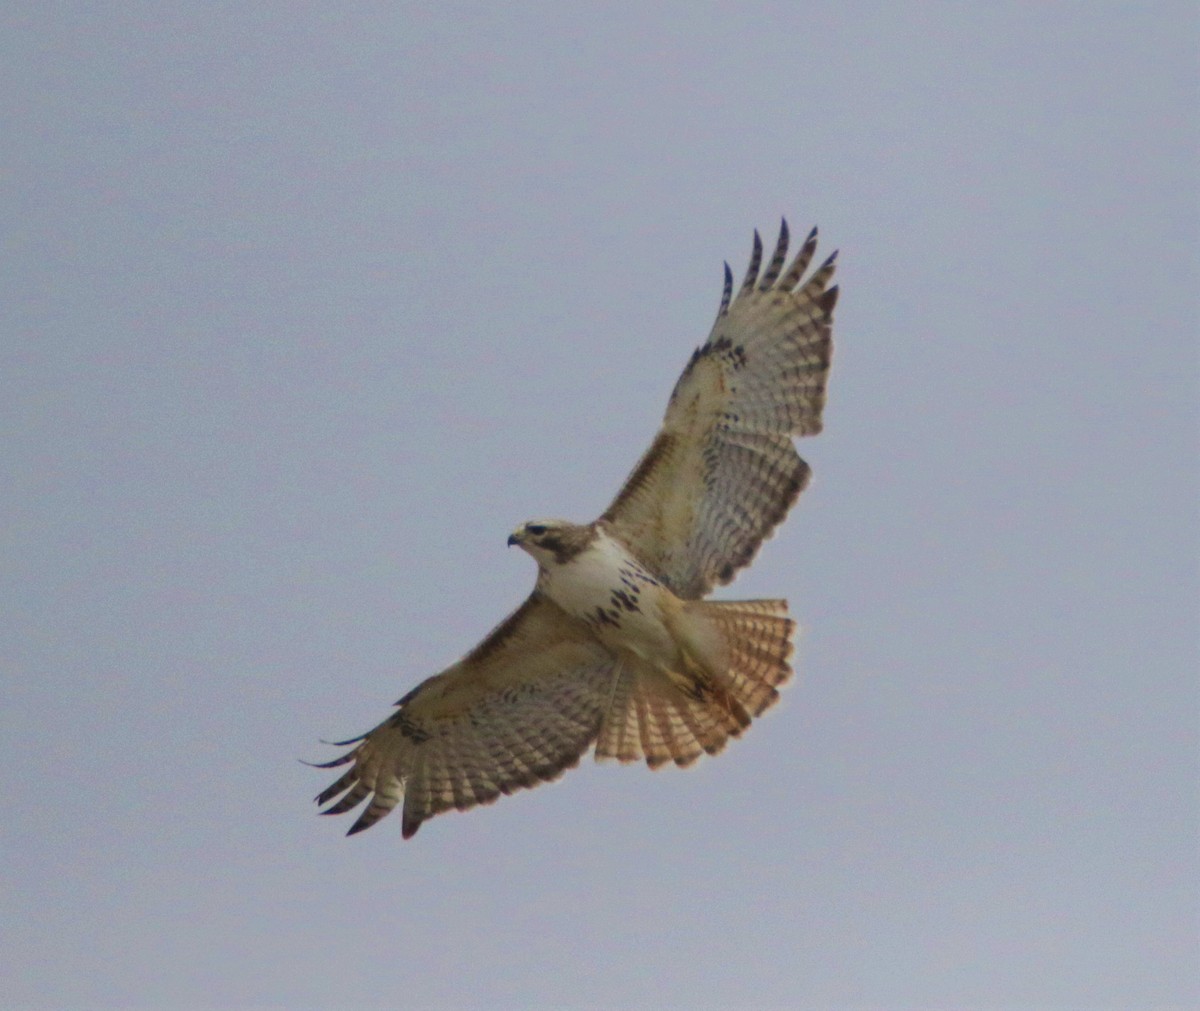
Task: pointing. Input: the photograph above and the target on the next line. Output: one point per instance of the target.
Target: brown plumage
(615, 647)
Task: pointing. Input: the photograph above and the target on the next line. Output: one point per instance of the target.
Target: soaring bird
(616, 646)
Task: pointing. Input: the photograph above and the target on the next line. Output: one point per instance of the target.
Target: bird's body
(602, 585)
(648, 629)
(615, 647)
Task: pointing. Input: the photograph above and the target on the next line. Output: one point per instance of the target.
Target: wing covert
(722, 472)
(518, 710)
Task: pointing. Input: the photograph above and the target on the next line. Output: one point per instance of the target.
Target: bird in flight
(616, 648)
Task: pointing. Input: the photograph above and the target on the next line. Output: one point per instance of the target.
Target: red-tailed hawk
(615, 647)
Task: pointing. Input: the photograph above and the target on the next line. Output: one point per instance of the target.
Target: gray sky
(304, 307)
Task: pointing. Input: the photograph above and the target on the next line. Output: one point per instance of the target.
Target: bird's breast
(609, 590)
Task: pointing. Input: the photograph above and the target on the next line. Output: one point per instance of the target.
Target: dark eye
(535, 529)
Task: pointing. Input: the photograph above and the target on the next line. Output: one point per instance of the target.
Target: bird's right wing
(518, 710)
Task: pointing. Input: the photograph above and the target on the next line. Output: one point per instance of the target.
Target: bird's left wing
(518, 710)
(722, 472)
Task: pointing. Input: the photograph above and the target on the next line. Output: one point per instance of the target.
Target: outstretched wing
(722, 472)
(518, 710)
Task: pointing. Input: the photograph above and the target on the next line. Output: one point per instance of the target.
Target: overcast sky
(303, 307)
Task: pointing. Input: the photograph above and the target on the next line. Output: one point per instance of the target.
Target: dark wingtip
(333, 763)
(726, 291)
(344, 744)
(365, 820)
(751, 278)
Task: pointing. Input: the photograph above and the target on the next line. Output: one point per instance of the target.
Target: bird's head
(550, 540)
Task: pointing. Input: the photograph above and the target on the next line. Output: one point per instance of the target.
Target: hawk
(616, 648)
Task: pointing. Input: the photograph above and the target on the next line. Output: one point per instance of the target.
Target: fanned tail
(743, 649)
(758, 635)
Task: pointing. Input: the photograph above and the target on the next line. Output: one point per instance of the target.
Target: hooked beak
(514, 538)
